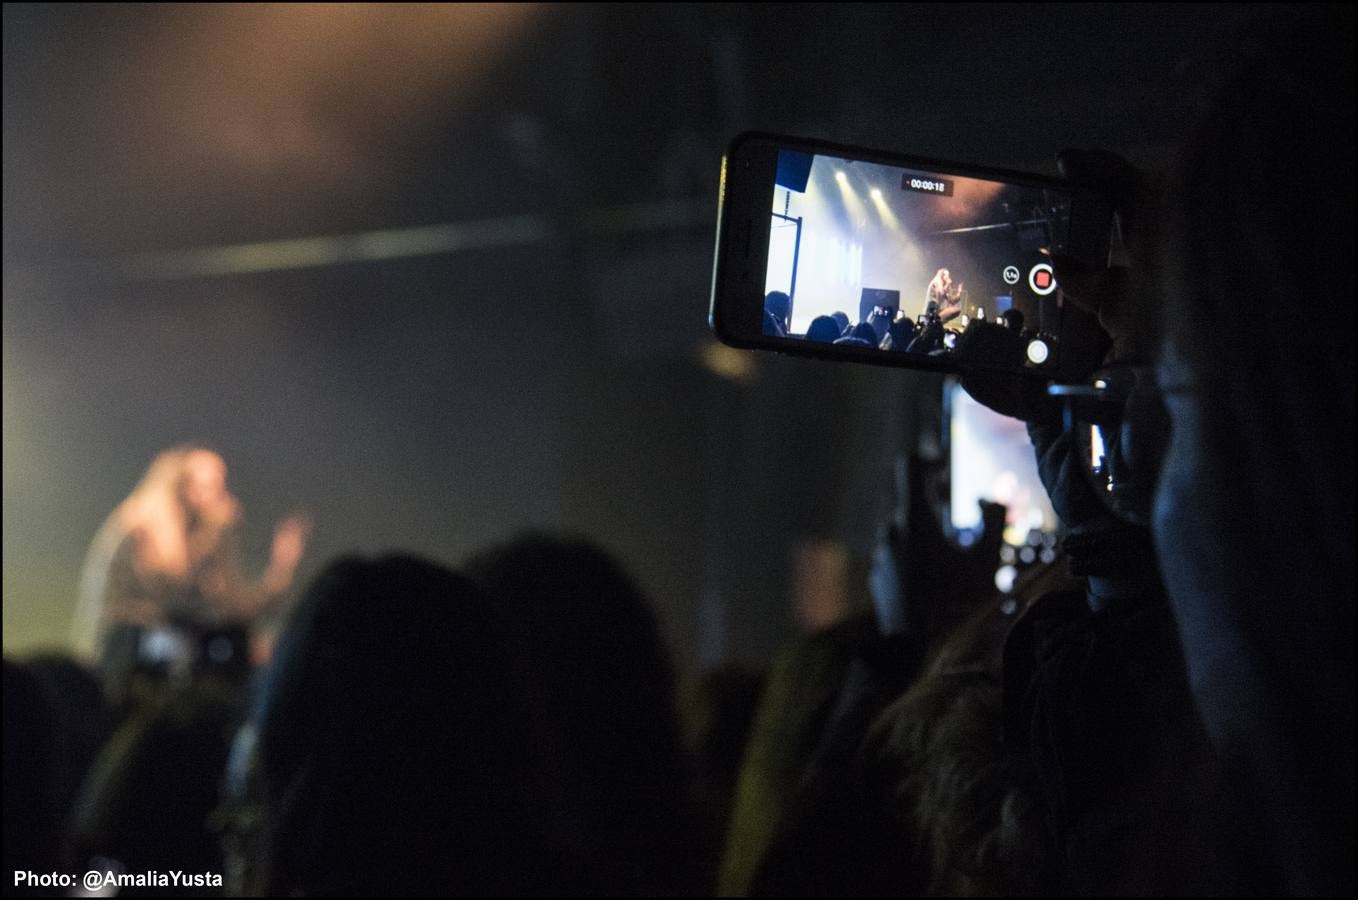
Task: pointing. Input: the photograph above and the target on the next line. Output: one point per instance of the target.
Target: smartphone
(845, 253)
(990, 457)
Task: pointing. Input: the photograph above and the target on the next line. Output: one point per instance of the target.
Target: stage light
(1038, 351)
(888, 217)
(841, 177)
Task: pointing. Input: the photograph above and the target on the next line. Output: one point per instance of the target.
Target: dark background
(559, 373)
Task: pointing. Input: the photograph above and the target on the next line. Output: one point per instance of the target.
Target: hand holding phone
(1097, 278)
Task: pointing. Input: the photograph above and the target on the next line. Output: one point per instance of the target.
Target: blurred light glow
(992, 458)
(386, 243)
(1096, 451)
(727, 362)
(888, 217)
(286, 92)
(302, 253)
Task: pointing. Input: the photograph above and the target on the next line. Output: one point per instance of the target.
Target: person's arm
(289, 543)
(238, 599)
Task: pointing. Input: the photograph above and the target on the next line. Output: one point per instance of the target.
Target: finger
(993, 516)
(1109, 175)
(1077, 281)
(1086, 288)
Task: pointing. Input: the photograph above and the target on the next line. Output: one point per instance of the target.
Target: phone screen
(991, 458)
(866, 257)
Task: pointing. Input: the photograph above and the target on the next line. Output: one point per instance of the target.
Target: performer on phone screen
(943, 297)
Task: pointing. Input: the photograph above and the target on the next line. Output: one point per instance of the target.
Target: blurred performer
(943, 297)
(162, 584)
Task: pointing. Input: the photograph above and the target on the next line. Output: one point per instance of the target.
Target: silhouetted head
(880, 320)
(841, 319)
(865, 332)
(1254, 515)
(31, 817)
(606, 687)
(779, 305)
(772, 326)
(902, 332)
(823, 328)
(149, 795)
(80, 722)
(392, 745)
